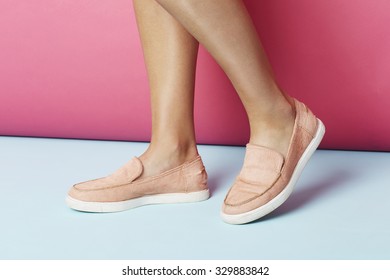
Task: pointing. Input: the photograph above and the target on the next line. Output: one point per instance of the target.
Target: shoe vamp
(243, 192)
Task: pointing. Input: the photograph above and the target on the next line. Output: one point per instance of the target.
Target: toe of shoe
(87, 191)
(79, 194)
(241, 200)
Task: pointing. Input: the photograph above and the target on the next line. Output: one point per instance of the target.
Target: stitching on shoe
(254, 183)
(307, 131)
(255, 197)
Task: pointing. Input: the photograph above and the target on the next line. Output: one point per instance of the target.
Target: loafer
(267, 178)
(122, 191)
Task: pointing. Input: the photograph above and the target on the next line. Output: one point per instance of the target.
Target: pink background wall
(74, 69)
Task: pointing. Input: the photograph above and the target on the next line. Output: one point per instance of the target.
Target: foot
(137, 183)
(268, 176)
(157, 160)
(275, 131)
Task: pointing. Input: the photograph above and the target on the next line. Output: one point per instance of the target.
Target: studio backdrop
(74, 69)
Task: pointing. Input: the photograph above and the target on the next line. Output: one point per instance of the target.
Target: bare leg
(170, 54)
(226, 30)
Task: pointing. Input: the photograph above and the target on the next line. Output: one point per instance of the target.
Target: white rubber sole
(106, 207)
(282, 197)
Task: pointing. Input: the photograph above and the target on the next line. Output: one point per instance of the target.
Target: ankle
(274, 130)
(173, 150)
(162, 156)
(278, 117)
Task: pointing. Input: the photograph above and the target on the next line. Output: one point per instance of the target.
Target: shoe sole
(283, 195)
(106, 207)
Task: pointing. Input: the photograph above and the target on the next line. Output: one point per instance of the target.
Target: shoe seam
(255, 197)
(307, 131)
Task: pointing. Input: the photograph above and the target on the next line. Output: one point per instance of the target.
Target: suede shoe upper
(123, 185)
(265, 172)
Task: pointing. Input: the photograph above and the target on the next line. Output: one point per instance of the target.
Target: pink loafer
(267, 178)
(121, 191)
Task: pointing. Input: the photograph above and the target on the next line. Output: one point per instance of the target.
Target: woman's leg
(226, 30)
(284, 132)
(170, 54)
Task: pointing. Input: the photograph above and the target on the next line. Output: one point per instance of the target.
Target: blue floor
(340, 208)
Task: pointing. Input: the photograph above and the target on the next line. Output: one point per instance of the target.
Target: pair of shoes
(267, 178)
(264, 183)
(122, 191)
